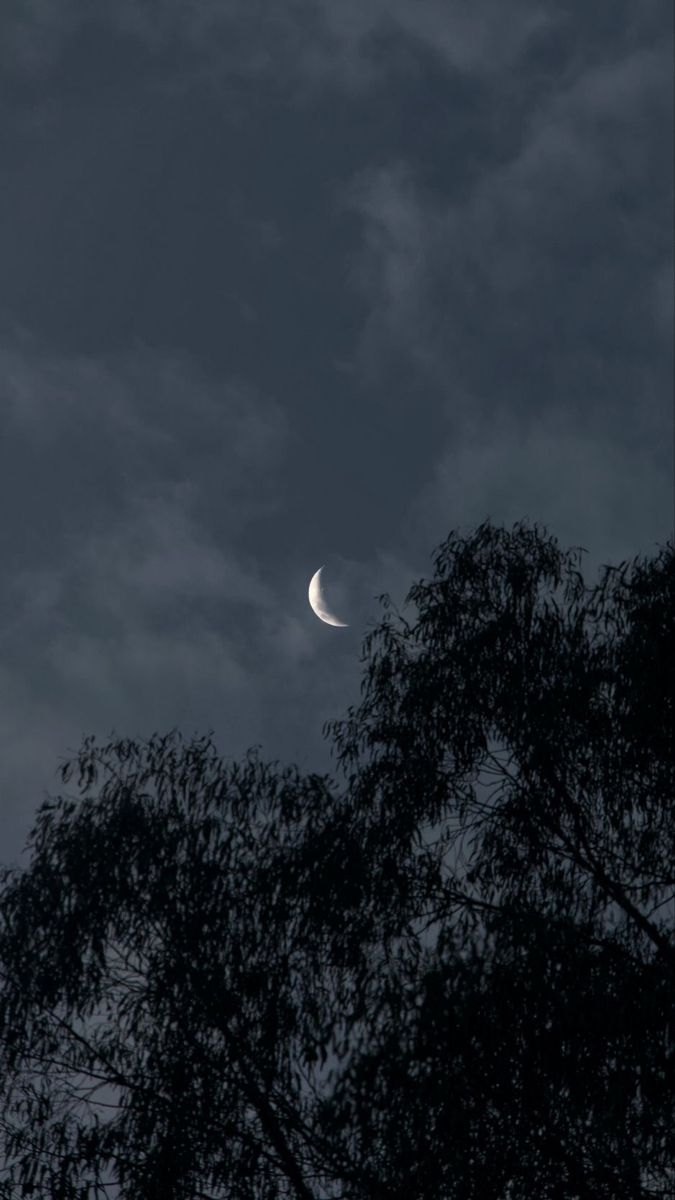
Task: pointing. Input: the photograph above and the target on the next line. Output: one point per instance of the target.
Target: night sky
(300, 282)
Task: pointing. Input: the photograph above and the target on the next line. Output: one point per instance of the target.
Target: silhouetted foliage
(449, 974)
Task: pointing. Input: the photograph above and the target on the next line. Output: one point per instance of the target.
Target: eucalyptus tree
(159, 1012)
(449, 973)
(521, 722)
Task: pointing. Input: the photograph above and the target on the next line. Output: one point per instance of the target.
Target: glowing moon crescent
(318, 603)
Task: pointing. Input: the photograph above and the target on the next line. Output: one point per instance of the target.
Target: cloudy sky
(304, 282)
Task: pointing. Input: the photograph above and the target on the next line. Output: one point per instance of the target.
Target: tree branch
(589, 862)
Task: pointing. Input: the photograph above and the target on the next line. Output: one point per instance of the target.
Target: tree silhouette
(524, 722)
(447, 974)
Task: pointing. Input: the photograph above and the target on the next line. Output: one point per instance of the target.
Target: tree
(522, 722)
(153, 951)
(448, 974)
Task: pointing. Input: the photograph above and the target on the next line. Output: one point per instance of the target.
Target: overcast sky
(304, 282)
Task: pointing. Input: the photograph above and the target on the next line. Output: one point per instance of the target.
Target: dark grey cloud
(316, 41)
(135, 595)
(538, 305)
(131, 486)
(304, 283)
(555, 222)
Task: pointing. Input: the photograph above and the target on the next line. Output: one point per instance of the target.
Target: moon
(318, 601)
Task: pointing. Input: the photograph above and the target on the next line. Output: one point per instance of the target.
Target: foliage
(448, 974)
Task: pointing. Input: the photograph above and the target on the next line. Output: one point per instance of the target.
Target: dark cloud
(537, 307)
(315, 40)
(304, 283)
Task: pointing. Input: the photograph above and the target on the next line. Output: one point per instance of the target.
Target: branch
(255, 1096)
(589, 862)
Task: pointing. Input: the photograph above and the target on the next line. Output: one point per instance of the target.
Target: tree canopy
(447, 972)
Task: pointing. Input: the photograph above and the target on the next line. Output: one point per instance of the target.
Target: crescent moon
(318, 602)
